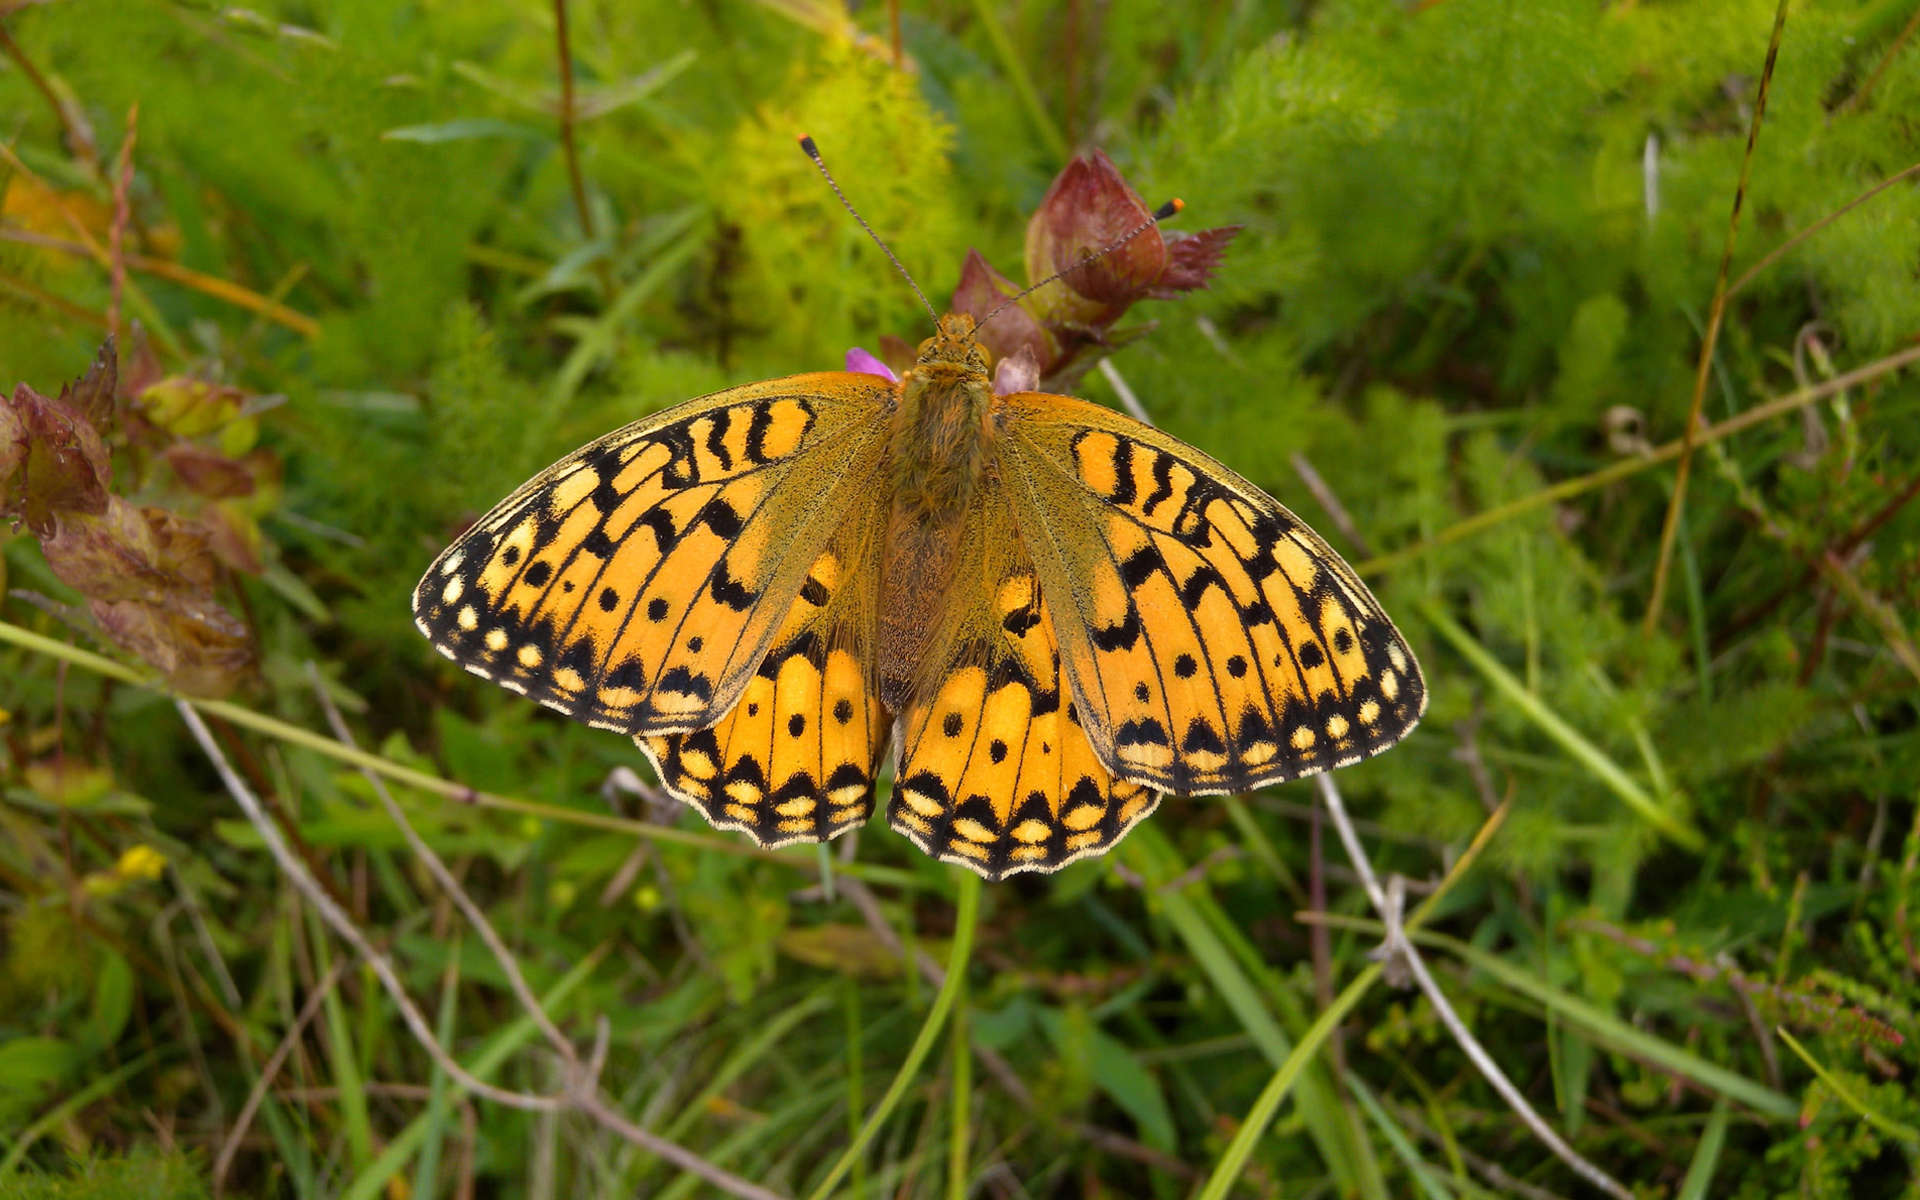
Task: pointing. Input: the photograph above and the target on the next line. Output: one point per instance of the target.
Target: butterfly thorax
(939, 445)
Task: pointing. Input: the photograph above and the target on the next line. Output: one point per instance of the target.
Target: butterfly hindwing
(996, 772)
(796, 757)
(637, 583)
(1215, 642)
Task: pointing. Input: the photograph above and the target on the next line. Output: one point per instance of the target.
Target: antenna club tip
(806, 144)
(1169, 209)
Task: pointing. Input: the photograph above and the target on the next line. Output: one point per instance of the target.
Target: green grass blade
(1233, 1160)
(966, 917)
(1880, 1121)
(1706, 1155)
(369, 1183)
(1603, 768)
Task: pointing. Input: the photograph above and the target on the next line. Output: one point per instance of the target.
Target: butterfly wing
(796, 757)
(637, 583)
(1213, 641)
(996, 772)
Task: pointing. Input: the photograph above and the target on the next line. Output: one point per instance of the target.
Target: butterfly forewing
(1214, 642)
(637, 583)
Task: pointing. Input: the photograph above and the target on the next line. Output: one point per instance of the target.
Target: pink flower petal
(862, 363)
(1018, 373)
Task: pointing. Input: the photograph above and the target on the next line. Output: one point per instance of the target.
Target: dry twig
(580, 1090)
(1401, 962)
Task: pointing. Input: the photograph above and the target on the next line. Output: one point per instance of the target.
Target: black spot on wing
(1121, 636)
(848, 775)
(719, 516)
(630, 673)
(1124, 491)
(1141, 566)
(582, 657)
(927, 784)
(679, 470)
(1202, 737)
(1253, 727)
(1196, 585)
(1083, 792)
(686, 682)
(660, 522)
(717, 439)
(1143, 731)
(798, 784)
(729, 591)
(1162, 484)
(605, 496)
(746, 769)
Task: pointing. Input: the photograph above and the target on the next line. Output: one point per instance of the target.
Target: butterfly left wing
(1214, 642)
(996, 772)
(795, 759)
(637, 583)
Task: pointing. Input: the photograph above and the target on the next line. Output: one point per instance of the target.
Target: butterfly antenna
(1158, 215)
(813, 152)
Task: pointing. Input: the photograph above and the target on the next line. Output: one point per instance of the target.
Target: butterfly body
(1051, 612)
(936, 460)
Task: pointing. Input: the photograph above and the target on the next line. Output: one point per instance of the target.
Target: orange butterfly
(1054, 612)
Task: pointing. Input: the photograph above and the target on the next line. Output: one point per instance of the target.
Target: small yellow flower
(140, 861)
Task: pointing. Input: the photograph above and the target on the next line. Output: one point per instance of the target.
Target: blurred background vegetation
(358, 295)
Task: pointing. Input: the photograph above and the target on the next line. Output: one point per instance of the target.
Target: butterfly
(1051, 613)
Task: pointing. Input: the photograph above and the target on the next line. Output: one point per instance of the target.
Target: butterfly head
(954, 350)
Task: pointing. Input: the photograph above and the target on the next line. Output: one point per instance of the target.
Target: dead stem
(1676, 504)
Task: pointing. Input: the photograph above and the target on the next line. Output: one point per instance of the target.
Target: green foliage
(144, 1174)
(1481, 247)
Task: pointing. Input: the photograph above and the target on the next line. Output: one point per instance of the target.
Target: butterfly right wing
(1214, 642)
(637, 583)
